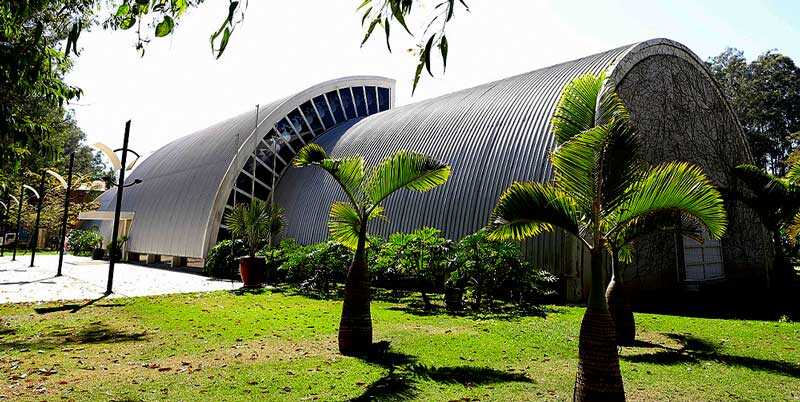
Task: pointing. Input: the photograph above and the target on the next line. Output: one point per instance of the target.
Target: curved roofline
(660, 47)
(263, 126)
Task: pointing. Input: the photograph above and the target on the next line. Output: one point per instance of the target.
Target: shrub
(222, 262)
(416, 260)
(314, 268)
(82, 242)
(490, 270)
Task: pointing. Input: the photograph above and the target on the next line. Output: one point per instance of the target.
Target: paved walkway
(84, 278)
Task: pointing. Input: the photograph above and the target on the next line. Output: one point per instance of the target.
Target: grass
(279, 346)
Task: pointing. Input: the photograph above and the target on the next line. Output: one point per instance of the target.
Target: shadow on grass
(74, 308)
(696, 350)
(93, 333)
(248, 291)
(399, 384)
(498, 312)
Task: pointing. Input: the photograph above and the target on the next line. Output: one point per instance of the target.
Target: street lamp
(35, 236)
(67, 185)
(19, 215)
(118, 164)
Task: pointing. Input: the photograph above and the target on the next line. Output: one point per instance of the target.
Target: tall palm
(365, 191)
(600, 190)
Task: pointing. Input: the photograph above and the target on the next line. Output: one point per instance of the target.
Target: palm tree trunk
(598, 377)
(620, 306)
(355, 326)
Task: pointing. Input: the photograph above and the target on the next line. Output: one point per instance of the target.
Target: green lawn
(274, 346)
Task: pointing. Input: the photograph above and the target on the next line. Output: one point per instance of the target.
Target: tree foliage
(765, 95)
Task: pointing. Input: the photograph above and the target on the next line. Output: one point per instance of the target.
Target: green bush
(222, 262)
(492, 270)
(416, 260)
(82, 242)
(316, 267)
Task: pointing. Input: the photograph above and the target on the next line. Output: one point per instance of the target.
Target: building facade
(492, 135)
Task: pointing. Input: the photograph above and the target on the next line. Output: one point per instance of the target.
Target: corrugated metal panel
(492, 135)
(184, 185)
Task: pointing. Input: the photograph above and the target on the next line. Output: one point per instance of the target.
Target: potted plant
(251, 224)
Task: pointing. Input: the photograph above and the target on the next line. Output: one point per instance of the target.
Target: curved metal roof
(185, 184)
(492, 135)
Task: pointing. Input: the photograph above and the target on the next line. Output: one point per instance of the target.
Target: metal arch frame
(263, 127)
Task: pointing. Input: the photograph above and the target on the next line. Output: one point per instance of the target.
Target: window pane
(286, 154)
(230, 198)
(324, 113)
(296, 144)
(336, 106)
(372, 100)
(383, 99)
(284, 128)
(298, 122)
(262, 151)
(358, 96)
(261, 192)
(347, 102)
(242, 199)
(244, 183)
(248, 166)
(263, 174)
(311, 116)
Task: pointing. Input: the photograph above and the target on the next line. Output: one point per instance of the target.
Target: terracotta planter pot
(253, 271)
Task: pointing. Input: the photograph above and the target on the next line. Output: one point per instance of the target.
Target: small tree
(601, 189)
(366, 191)
(251, 224)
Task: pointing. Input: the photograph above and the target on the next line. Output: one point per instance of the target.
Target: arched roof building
(492, 135)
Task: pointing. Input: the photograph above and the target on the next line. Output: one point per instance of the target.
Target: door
(702, 262)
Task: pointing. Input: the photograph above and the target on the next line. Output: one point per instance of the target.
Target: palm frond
(793, 229)
(405, 169)
(344, 224)
(528, 209)
(760, 182)
(250, 222)
(621, 164)
(309, 155)
(674, 186)
(348, 172)
(793, 172)
(576, 108)
(576, 162)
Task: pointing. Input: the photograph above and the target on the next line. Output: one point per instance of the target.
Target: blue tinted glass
(324, 113)
(358, 96)
(298, 122)
(262, 151)
(372, 100)
(311, 116)
(383, 99)
(284, 129)
(336, 106)
(347, 102)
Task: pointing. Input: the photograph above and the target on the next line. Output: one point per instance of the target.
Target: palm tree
(776, 199)
(250, 223)
(601, 189)
(365, 191)
(621, 247)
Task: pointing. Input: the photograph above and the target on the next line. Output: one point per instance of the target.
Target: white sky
(285, 46)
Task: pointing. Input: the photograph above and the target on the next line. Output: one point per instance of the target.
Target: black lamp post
(19, 219)
(63, 236)
(35, 236)
(3, 220)
(120, 186)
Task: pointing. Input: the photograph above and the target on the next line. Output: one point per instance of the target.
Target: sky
(285, 46)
